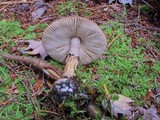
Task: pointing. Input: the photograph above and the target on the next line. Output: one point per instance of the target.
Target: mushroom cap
(57, 38)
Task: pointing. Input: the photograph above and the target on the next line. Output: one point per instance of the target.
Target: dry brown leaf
(151, 114)
(37, 48)
(150, 94)
(38, 13)
(122, 106)
(41, 8)
(38, 85)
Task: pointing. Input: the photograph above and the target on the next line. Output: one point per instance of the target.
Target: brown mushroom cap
(57, 38)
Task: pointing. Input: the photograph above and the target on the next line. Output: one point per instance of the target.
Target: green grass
(124, 71)
(19, 104)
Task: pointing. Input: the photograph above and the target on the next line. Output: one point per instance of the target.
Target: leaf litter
(34, 48)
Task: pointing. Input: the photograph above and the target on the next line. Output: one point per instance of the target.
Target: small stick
(47, 111)
(152, 53)
(55, 72)
(4, 7)
(148, 5)
(15, 2)
(113, 41)
(107, 96)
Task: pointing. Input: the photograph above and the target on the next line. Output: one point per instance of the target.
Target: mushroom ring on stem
(73, 41)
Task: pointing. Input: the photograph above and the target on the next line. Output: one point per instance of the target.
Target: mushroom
(73, 41)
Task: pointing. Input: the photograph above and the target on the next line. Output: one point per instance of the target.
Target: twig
(29, 96)
(9, 68)
(4, 7)
(151, 51)
(7, 102)
(47, 111)
(33, 99)
(106, 92)
(15, 2)
(130, 23)
(148, 4)
(113, 41)
(107, 96)
(51, 70)
(139, 17)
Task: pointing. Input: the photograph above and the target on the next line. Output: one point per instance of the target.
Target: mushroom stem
(74, 46)
(71, 65)
(72, 58)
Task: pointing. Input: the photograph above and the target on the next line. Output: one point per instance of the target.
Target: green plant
(144, 9)
(70, 106)
(72, 7)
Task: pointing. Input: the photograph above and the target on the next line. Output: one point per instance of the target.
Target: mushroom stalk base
(71, 65)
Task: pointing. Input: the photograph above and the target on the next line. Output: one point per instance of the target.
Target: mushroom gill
(57, 39)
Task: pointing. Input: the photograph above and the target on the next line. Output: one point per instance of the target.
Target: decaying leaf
(122, 106)
(157, 95)
(111, 1)
(122, 1)
(93, 110)
(38, 13)
(154, 94)
(126, 2)
(151, 114)
(38, 85)
(37, 48)
(40, 9)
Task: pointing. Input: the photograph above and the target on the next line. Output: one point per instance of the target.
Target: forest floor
(129, 69)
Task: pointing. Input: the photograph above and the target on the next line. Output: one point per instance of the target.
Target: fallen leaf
(122, 106)
(157, 90)
(157, 95)
(134, 43)
(40, 9)
(38, 13)
(33, 44)
(122, 1)
(23, 7)
(38, 85)
(37, 48)
(39, 3)
(93, 70)
(151, 114)
(150, 94)
(126, 2)
(93, 110)
(111, 1)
